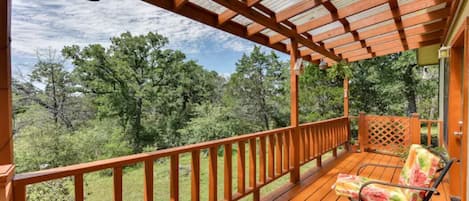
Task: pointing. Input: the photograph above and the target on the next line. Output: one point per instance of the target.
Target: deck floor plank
(317, 187)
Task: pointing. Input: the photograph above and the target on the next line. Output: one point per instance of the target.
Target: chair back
(419, 170)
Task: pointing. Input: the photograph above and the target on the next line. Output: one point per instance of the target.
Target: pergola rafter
(353, 29)
(254, 15)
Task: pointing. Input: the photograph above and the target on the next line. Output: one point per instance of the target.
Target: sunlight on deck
(317, 185)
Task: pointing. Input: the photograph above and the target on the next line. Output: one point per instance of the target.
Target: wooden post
(295, 142)
(346, 94)
(6, 179)
(414, 128)
(362, 131)
(6, 142)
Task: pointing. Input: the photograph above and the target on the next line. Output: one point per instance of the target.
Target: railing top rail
(60, 172)
(323, 121)
(431, 120)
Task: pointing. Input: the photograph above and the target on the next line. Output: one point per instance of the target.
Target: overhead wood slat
(341, 13)
(200, 14)
(375, 19)
(409, 22)
(297, 9)
(271, 24)
(359, 35)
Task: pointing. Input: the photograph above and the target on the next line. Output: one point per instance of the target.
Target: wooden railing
(431, 133)
(274, 149)
(390, 133)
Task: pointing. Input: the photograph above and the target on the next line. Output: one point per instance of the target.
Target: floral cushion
(418, 170)
(349, 185)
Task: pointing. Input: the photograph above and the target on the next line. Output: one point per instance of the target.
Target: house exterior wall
(459, 20)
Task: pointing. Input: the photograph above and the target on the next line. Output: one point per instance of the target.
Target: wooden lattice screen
(388, 133)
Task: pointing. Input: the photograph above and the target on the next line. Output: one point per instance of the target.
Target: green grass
(99, 185)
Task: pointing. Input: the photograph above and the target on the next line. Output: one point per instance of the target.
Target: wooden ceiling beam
(381, 17)
(341, 13)
(398, 21)
(297, 9)
(179, 3)
(382, 41)
(228, 14)
(391, 50)
(288, 13)
(384, 45)
(391, 47)
(200, 14)
(242, 9)
(385, 29)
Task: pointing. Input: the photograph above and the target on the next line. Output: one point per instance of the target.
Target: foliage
(214, 122)
(150, 89)
(320, 94)
(255, 86)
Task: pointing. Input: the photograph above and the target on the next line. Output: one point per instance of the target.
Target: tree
(151, 89)
(320, 93)
(50, 73)
(256, 85)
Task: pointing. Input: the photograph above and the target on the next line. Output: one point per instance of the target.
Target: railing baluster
(78, 180)
(307, 145)
(321, 145)
(429, 133)
(314, 141)
(302, 146)
(271, 156)
(19, 192)
(278, 155)
(117, 175)
(262, 159)
(212, 174)
(174, 178)
(148, 185)
(440, 133)
(241, 167)
(252, 168)
(195, 175)
(286, 151)
(334, 137)
(228, 172)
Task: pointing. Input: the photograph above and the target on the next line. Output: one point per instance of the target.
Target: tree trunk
(410, 89)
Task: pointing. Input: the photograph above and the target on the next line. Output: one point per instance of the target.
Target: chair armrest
(363, 166)
(393, 185)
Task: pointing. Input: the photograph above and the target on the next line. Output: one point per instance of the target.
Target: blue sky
(39, 25)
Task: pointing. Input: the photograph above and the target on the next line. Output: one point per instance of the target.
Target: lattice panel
(388, 133)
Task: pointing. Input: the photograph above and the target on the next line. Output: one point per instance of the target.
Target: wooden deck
(317, 185)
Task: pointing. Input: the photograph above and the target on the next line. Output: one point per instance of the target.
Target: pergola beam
(422, 33)
(385, 29)
(179, 3)
(200, 14)
(271, 24)
(398, 21)
(341, 13)
(398, 48)
(433, 30)
(381, 17)
(228, 14)
(297, 9)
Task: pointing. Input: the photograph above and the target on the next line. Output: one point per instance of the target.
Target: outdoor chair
(417, 174)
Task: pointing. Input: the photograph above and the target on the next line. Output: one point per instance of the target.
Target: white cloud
(53, 24)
